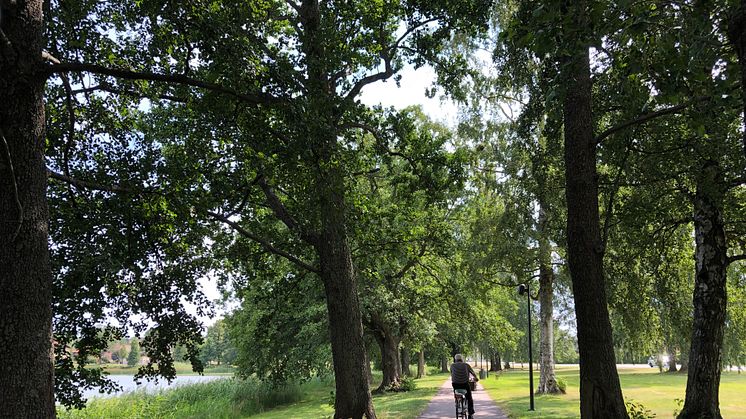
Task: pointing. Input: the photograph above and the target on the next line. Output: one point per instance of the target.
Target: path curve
(442, 407)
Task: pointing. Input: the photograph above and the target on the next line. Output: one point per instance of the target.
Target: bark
(405, 362)
(705, 356)
(26, 360)
(421, 371)
(547, 378)
(498, 363)
(600, 391)
(390, 362)
(444, 364)
(352, 397)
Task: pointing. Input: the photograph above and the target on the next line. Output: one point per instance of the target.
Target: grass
(228, 398)
(657, 392)
(406, 405)
(233, 398)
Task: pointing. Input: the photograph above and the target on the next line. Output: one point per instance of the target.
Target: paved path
(442, 405)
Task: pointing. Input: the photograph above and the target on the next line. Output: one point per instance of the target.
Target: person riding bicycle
(460, 372)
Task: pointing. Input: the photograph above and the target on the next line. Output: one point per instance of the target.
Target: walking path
(442, 405)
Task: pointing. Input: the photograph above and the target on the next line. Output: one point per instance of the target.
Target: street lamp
(523, 289)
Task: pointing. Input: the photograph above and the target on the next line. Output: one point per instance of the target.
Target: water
(127, 382)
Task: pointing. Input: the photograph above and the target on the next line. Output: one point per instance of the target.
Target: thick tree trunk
(405, 362)
(26, 360)
(421, 371)
(547, 379)
(710, 300)
(498, 362)
(390, 362)
(600, 391)
(352, 397)
(444, 364)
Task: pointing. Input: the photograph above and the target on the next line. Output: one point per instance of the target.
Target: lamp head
(522, 289)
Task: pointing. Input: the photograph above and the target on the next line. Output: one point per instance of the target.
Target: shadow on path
(442, 405)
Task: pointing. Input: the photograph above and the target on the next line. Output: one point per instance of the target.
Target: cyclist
(460, 372)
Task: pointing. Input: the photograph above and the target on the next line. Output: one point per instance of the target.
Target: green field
(657, 392)
(182, 368)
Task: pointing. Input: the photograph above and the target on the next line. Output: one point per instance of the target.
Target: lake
(127, 382)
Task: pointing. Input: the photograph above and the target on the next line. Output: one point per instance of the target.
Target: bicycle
(459, 395)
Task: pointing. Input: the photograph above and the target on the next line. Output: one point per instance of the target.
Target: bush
(562, 384)
(638, 411)
(407, 384)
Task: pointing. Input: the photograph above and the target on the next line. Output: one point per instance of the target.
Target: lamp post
(523, 289)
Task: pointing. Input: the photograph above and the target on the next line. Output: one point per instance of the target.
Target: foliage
(218, 347)
(133, 359)
(637, 410)
(407, 384)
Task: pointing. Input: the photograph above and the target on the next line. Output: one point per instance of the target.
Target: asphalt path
(442, 406)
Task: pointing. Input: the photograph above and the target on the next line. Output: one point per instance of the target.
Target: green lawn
(406, 405)
(657, 392)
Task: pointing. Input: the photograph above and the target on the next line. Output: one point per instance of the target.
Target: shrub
(407, 384)
(562, 384)
(638, 411)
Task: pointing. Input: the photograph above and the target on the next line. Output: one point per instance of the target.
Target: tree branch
(107, 88)
(735, 258)
(383, 75)
(92, 185)
(258, 99)
(265, 243)
(648, 116)
(282, 213)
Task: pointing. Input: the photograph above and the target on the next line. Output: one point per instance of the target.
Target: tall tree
(26, 368)
(600, 391)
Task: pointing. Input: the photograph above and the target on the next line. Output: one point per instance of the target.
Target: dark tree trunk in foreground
(547, 379)
(390, 363)
(352, 397)
(405, 362)
(705, 358)
(600, 392)
(421, 372)
(26, 367)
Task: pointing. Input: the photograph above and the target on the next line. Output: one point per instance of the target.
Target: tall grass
(225, 398)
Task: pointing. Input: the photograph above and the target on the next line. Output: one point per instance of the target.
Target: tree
(26, 368)
(133, 359)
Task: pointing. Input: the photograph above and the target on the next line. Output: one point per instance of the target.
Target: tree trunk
(405, 362)
(444, 364)
(421, 372)
(26, 359)
(672, 359)
(547, 379)
(705, 356)
(352, 397)
(600, 391)
(498, 362)
(390, 362)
